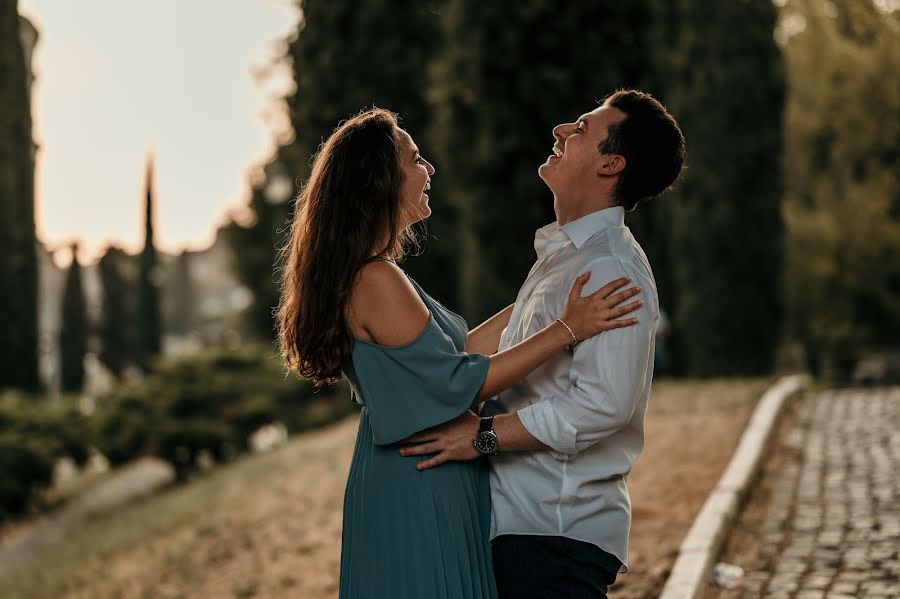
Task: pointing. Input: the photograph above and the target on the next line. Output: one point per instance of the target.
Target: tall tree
(338, 70)
(494, 116)
(117, 347)
(728, 233)
(73, 328)
(842, 202)
(18, 255)
(149, 320)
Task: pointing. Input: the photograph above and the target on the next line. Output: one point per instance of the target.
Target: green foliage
(728, 95)
(210, 401)
(26, 468)
(34, 432)
(74, 329)
(18, 257)
(842, 203)
(508, 74)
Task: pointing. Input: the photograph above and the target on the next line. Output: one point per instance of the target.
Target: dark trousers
(538, 567)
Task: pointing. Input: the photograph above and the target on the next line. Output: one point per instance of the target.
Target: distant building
(218, 296)
(51, 281)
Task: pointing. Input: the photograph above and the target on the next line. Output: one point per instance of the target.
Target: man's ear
(610, 164)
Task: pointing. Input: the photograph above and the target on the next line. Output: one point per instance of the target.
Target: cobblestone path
(833, 530)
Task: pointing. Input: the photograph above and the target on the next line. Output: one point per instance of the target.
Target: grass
(269, 525)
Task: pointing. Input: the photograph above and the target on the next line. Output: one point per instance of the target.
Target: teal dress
(409, 534)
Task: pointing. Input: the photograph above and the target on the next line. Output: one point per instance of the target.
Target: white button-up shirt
(587, 406)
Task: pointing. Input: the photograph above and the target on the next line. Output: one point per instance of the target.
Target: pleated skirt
(414, 535)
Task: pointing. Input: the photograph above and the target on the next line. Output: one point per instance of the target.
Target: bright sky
(117, 79)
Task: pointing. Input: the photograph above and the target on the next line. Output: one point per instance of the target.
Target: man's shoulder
(627, 259)
(616, 258)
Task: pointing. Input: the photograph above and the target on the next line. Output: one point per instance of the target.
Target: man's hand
(451, 441)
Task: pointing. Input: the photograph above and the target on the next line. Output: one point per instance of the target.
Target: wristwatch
(486, 441)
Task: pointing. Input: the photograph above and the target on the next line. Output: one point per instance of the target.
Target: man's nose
(430, 168)
(558, 132)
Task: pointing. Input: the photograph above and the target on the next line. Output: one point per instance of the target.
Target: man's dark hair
(651, 142)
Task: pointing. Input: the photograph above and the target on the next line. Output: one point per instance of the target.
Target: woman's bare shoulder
(385, 306)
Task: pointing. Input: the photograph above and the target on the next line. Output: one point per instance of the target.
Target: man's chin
(545, 172)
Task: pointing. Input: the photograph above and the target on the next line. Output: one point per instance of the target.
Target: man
(566, 437)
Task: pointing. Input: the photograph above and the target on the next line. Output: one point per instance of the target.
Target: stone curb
(703, 542)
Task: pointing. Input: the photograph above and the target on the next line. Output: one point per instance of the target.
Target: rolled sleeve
(607, 378)
(549, 427)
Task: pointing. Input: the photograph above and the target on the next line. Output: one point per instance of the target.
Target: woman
(347, 308)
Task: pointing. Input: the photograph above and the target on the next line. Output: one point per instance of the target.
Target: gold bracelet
(568, 328)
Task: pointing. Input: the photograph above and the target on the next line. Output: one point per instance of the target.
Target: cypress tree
(149, 327)
(73, 328)
(728, 96)
(18, 245)
(494, 118)
(116, 345)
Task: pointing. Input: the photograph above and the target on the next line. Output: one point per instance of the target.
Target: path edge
(701, 546)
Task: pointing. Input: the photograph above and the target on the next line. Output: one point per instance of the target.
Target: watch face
(486, 442)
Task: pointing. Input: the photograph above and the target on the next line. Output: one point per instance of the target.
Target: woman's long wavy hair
(353, 198)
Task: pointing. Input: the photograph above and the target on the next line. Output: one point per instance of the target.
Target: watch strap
(486, 424)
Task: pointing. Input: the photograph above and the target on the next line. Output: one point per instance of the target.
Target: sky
(117, 80)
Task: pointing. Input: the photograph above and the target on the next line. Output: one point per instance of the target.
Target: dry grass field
(269, 525)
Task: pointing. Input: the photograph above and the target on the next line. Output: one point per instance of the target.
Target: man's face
(576, 161)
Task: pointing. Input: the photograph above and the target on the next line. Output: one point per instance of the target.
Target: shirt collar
(551, 237)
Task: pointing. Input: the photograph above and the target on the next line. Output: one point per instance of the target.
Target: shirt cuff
(547, 426)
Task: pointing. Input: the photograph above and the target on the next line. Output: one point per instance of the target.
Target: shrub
(25, 467)
(34, 432)
(210, 401)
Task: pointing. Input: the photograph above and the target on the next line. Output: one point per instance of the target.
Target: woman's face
(417, 180)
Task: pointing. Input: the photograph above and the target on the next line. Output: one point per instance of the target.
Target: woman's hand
(600, 311)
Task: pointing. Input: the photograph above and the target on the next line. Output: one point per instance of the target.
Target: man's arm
(485, 338)
(453, 441)
(607, 375)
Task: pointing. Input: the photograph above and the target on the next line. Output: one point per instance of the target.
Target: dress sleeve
(419, 385)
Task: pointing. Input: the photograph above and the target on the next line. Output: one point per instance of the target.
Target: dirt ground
(269, 525)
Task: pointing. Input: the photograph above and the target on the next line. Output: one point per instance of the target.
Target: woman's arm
(514, 364)
(587, 316)
(485, 338)
(393, 315)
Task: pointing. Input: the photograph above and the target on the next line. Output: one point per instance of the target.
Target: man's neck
(571, 209)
